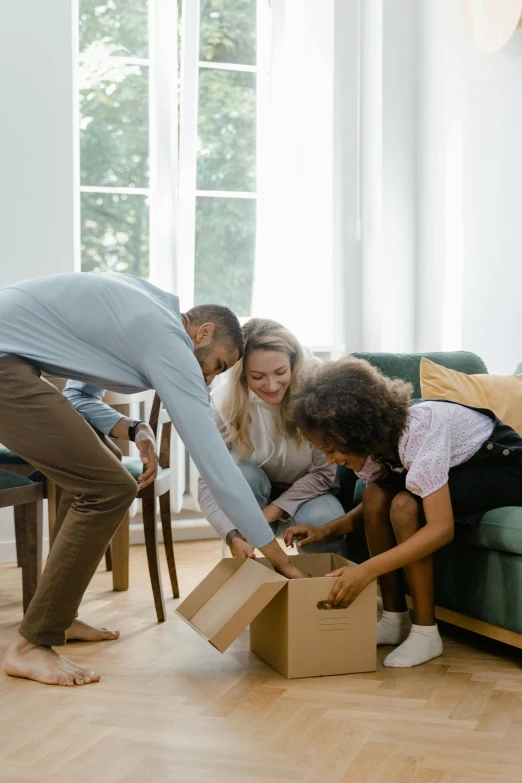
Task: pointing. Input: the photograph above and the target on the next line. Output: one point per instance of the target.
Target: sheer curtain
(294, 274)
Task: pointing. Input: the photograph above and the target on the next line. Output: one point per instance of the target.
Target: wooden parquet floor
(170, 709)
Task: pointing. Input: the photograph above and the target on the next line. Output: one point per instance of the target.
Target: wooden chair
(161, 426)
(26, 497)
(14, 464)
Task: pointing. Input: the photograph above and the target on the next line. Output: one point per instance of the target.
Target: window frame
(172, 192)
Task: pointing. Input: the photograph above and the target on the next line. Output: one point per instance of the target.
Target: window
(114, 71)
(122, 72)
(226, 176)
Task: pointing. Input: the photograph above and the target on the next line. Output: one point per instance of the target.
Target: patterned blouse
(437, 436)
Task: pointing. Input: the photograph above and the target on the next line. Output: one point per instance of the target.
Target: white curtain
(294, 269)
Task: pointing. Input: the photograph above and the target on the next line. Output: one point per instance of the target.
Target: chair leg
(166, 524)
(120, 548)
(151, 543)
(29, 518)
(53, 501)
(19, 540)
(108, 558)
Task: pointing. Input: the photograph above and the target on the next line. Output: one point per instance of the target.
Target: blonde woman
(291, 480)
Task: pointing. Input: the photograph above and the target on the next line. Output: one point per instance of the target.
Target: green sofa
(478, 577)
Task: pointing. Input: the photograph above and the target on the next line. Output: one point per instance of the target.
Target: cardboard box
(290, 628)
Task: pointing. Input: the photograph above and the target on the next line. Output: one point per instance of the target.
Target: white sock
(393, 628)
(423, 644)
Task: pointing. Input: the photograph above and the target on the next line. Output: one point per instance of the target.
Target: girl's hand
(350, 583)
(305, 534)
(241, 548)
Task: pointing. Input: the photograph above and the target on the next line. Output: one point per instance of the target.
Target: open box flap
(229, 598)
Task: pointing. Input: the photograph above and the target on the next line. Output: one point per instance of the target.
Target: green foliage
(114, 127)
(115, 233)
(228, 31)
(225, 248)
(227, 130)
(121, 23)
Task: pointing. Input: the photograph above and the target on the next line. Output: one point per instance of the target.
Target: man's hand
(281, 562)
(350, 583)
(144, 440)
(241, 548)
(272, 512)
(303, 535)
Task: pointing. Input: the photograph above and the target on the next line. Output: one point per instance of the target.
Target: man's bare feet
(43, 664)
(80, 631)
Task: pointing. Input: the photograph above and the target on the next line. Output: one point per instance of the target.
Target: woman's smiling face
(268, 374)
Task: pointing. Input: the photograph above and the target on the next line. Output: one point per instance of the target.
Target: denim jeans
(318, 511)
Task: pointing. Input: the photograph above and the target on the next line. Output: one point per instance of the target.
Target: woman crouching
(292, 481)
(427, 464)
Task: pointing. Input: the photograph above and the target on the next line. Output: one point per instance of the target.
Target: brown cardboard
(289, 629)
(228, 599)
(298, 639)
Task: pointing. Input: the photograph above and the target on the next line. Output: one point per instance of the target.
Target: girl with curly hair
(292, 481)
(427, 464)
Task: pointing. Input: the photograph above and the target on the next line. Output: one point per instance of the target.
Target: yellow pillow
(500, 393)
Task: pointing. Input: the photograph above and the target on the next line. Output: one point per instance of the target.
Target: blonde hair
(261, 334)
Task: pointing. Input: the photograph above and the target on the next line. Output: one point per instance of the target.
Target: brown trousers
(40, 425)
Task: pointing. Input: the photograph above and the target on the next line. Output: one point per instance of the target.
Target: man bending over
(120, 333)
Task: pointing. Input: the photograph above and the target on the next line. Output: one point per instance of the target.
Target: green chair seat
(135, 466)
(8, 457)
(11, 480)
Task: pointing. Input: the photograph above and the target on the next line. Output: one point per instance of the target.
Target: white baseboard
(8, 550)
(185, 527)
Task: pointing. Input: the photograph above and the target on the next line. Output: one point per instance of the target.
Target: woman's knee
(319, 511)
(405, 515)
(256, 479)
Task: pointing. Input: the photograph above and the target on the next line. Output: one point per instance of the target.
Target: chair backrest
(161, 426)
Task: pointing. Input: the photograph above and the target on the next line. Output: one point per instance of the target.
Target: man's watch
(231, 535)
(132, 429)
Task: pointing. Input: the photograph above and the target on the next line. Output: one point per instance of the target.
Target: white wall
(37, 171)
(469, 191)
(37, 193)
(375, 267)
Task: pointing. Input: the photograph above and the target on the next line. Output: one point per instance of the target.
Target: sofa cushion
(500, 393)
(407, 365)
(500, 529)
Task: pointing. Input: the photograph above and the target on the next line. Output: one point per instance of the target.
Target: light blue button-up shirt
(121, 333)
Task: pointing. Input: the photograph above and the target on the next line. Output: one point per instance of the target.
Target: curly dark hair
(352, 405)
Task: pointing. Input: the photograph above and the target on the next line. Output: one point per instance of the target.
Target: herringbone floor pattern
(170, 709)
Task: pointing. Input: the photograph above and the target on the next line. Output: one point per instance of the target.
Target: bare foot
(80, 631)
(43, 664)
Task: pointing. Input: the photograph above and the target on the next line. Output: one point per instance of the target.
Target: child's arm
(309, 534)
(437, 532)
